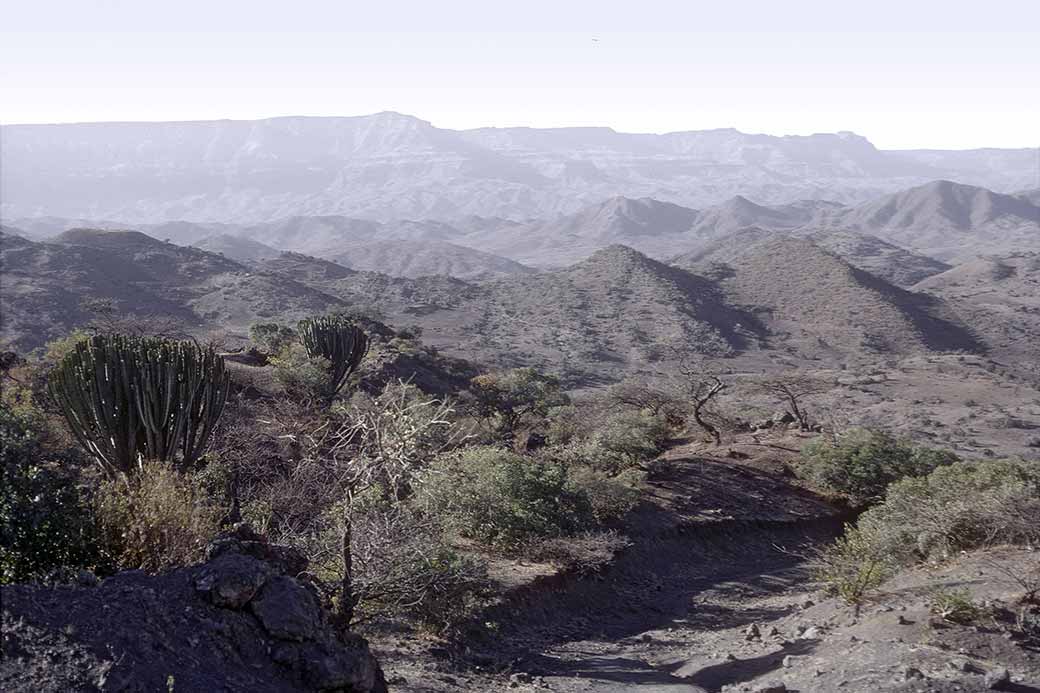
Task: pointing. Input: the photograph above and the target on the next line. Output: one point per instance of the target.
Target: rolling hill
(824, 306)
(45, 285)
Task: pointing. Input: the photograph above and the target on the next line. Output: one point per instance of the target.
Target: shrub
(862, 463)
(156, 519)
(302, 376)
(853, 565)
(402, 565)
(957, 507)
(270, 337)
(45, 522)
(610, 498)
(955, 606)
(584, 553)
(505, 500)
(622, 440)
(506, 399)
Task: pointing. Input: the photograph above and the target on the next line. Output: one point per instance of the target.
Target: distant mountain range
(901, 237)
(390, 166)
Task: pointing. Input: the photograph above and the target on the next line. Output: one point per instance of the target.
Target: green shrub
(955, 606)
(610, 497)
(302, 376)
(963, 506)
(853, 565)
(506, 399)
(156, 519)
(270, 337)
(45, 522)
(402, 564)
(862, 463)
(503, 499)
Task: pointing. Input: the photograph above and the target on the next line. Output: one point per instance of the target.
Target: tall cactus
(128, 396)
(340, 341)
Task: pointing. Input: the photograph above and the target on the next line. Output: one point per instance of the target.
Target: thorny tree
(383, 446)
(701, 386)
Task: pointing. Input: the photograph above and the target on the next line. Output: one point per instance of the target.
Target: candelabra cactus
(340, 341)
(130, 397)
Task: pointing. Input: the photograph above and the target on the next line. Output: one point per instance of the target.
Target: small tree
(701, 386)
(792, 389)
(507, 398)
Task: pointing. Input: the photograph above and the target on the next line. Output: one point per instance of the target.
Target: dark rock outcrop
(239, 622)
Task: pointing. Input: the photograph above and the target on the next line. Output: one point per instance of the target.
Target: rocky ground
(235, 623)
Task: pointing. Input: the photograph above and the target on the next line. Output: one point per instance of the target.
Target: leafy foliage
(503, 499)
(157, 519)
(45, 522)
(506, 398)
(862, 463)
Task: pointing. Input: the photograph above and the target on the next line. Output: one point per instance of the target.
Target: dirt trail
(718, 544)
(664, 605)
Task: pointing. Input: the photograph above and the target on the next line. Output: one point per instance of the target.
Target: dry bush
(157, 519)
(402, 564)
(584, 553)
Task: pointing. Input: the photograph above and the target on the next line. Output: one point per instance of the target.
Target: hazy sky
(913, 73)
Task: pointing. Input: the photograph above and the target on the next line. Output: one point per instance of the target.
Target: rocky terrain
(242, 621)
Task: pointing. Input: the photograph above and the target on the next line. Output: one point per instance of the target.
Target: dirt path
(670, 615)
(719, 544)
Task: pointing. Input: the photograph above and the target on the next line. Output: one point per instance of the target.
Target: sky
(908, 74)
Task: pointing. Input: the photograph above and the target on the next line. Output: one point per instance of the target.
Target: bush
(957, 507)
(157, 519)
(853, 565)
(45, 522)
(506, 399)
(402, 565)
(955, 606)
(862, 463)
(962, 506)
(505, 500)
(302, 376)
(610, 498)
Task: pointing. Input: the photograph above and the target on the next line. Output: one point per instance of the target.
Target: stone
(810, 633)
(771, 687)
(232, 580)
(998, 678)
(287, 610)
(789, 661)
(752, 632)
(913, 674)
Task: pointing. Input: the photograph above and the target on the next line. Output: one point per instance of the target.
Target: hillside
(645, 224)
(395, 166)
(45, 285)
(407, 258)
(822, 305)
(888, 261)
(740, 212)
(997, 295)
(235, 247)
(946, 220)
(617, 311)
